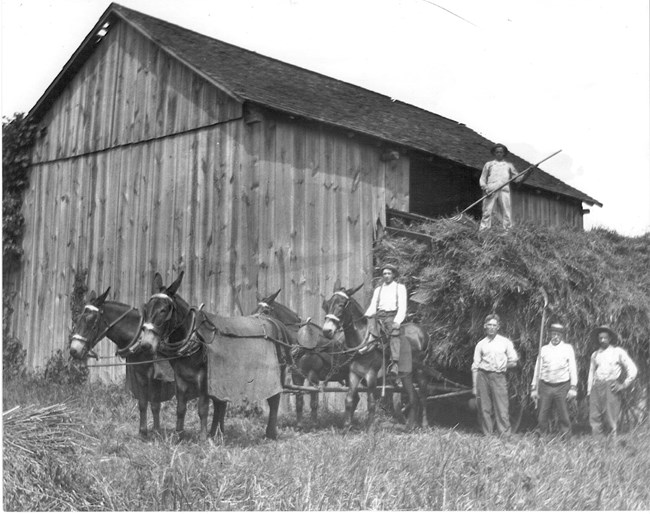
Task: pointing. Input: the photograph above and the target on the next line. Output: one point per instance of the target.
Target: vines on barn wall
(17, 139)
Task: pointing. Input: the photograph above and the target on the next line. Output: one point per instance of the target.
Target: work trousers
(604, 408)
(387, 318)
(552, 398)
(501, 197)
(492, 399)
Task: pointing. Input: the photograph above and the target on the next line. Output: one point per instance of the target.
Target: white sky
(537, 75)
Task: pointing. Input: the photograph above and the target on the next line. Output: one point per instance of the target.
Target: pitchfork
(459, 216)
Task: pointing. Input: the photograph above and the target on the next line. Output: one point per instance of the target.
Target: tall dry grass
(321, 468)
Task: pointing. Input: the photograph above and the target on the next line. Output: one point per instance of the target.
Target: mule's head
(88, 326)
(335, 310)
(266, 305)
(159, 315)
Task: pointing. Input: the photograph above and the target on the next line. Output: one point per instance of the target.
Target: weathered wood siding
(542, 208)
(145, 167)
(129, 90)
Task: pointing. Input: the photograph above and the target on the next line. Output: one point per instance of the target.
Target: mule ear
(157, 286)
(324, 306)
(273, 296)
(99, 301)
(91, 296)
(258, 297)
(350, 292)
(171, 290)
(337, 285)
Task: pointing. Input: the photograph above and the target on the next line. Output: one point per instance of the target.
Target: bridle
(166, 347)
(333, 317)
(89, 346)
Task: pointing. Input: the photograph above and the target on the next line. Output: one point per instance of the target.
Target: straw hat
(557, 327)
(604, 328)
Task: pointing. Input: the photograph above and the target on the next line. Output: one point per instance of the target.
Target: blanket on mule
(242, 361)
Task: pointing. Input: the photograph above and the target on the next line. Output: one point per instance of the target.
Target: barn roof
(249, 76)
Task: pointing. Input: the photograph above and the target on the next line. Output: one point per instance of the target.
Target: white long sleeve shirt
(608, 364)
(494, 354)
(496, 173)
(556, 364)
(389, 297)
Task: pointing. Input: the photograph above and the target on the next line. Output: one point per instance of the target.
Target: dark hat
(604, 328)
(390, 267)
(499, 145)
(557, 327)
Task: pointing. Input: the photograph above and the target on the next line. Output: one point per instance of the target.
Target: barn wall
(240, 208)
(543, 208)
(129, 90)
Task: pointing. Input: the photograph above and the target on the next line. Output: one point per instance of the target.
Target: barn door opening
(442, 188)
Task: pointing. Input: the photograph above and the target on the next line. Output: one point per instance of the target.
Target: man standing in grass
(606, 381)
(388, 304)
(493, 355)
(555, 381)
(496, 173)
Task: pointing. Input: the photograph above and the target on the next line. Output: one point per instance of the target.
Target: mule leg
(313, 397)
(204, 411)
(371, 380)
(181, 409)
(422, 397)
(219, 415)
(299, 379)
(413, 406)
(351, 399)
(143, 404)
(155, 414)
(272, 426)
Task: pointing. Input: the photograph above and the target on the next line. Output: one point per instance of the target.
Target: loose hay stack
(591, 277)
(41, 471)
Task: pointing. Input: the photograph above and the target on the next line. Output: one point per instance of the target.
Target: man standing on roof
(496, 173)
(493, 355)
(388, 304)
(555, 381)
(606, 381)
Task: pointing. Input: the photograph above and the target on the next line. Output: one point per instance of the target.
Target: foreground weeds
(324, 468)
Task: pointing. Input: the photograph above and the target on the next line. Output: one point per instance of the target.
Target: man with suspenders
(388, 304)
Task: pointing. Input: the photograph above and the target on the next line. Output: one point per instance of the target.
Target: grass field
(106, 466)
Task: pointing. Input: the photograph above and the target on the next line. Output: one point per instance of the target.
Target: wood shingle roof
(252, 77)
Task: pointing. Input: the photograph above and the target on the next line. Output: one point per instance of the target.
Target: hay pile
(591, 278)
(40, 461)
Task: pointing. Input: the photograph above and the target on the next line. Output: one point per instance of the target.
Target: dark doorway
(442, 188)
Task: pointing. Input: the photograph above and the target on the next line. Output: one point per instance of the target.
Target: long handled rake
(541, 340)
(459, 216)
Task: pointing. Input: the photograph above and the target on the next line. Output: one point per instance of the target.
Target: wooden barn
(161, 149)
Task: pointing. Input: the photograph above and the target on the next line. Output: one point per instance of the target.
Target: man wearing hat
(611, 371)
(493, 355)
(555, 381)
(388, 304)
(496, 173)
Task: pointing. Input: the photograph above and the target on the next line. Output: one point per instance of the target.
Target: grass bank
(105, 466)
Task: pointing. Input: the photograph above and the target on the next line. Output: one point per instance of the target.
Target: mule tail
(219, 416)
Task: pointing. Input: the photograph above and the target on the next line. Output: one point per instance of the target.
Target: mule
(172, 328)
(343, 311)
(316, 359)
(121, 324)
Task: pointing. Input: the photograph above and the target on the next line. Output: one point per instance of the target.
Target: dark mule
(173, 328)
(121, 324)
(316, 359)
(344, 311)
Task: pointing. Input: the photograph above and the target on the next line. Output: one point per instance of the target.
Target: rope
(132, 363)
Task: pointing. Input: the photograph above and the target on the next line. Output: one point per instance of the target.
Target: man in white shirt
(388, 304)
(493, 355)
(496, 173)
(555, 381)
(604, 384)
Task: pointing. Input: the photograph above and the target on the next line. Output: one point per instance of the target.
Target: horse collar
(342, 293)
